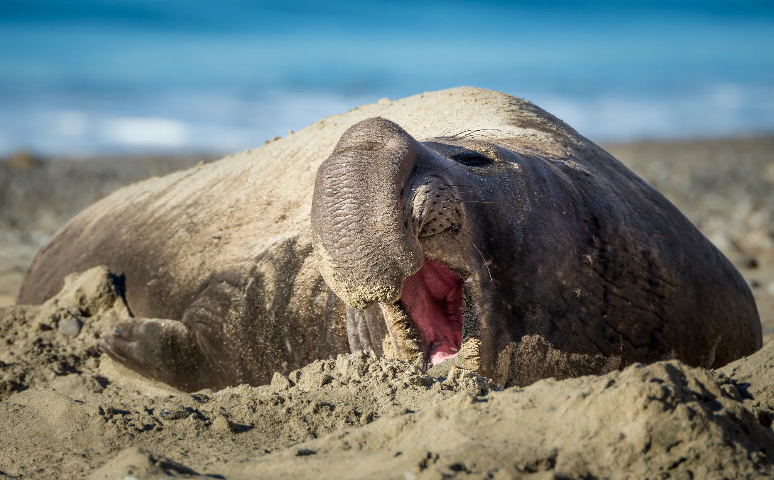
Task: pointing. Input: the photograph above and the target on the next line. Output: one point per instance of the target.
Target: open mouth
(433, 298)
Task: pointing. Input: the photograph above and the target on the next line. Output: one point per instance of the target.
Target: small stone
(748, 261)
(223, 425)
(70, 326)
(172, 410)
(279, 382)
(366, 418)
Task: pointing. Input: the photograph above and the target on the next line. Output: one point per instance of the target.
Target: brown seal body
(502, 238)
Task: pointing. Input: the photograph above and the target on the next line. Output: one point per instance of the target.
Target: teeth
(470, 354)
(404, 334)
(470, 351)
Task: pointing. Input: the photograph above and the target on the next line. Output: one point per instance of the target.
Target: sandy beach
(67, 411)
(207, 192)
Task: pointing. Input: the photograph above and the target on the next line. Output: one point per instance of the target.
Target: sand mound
(660, 421)
(68, 412)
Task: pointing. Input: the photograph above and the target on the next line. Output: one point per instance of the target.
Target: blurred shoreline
(725, 186)
(95, 77)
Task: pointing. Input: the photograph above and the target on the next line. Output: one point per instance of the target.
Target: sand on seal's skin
(38, 196)
(724, 186)
(66, 411)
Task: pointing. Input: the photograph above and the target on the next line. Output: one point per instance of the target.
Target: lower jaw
(439, 357)
(405, 342)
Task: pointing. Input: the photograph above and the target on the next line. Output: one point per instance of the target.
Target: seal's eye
(473, 159)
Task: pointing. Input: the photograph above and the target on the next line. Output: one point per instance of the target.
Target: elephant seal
(463, 224)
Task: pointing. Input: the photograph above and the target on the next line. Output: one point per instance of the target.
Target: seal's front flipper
(366, 329)
(160, 349)
(272, 314)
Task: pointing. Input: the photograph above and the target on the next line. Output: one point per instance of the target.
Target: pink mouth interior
(433, 299)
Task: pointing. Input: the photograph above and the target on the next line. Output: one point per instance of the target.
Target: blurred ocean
(84, 77)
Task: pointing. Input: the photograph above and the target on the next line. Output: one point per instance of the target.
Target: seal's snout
(364, 246)
(381, 208)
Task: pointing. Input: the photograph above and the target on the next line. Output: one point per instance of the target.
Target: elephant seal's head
(525, 257)
(394, 223)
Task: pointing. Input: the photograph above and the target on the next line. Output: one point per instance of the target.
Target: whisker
(471, 132)
(462, 200)
(456, 135)
(479, 252)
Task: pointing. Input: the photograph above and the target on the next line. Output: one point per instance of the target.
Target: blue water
(113, 76)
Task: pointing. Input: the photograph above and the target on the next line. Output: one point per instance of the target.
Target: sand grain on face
(69, 412)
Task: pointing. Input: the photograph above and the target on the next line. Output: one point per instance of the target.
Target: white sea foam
(70, 124)
(225, 122)
(161, 132)
(721, 110)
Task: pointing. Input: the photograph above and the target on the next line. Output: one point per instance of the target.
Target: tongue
(433, 299)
